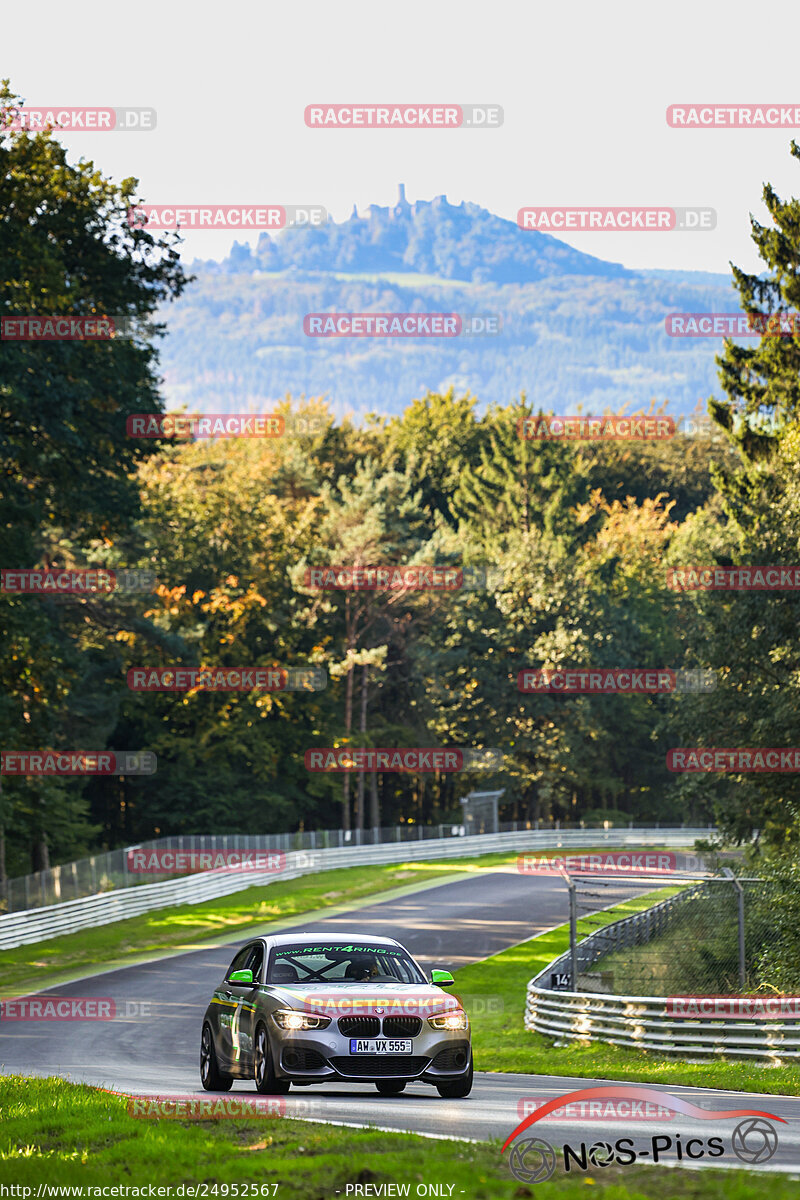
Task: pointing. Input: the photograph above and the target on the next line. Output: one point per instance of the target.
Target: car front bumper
(317, 1056)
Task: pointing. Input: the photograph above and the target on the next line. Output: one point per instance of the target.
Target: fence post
(573, 936)
(740, 908)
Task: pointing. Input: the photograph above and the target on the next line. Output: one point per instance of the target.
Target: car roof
(326, 938)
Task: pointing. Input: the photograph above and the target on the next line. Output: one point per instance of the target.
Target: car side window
(239, 962)
(256, 960)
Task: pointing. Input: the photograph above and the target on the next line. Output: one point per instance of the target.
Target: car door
(248, 1001)
(228, 997)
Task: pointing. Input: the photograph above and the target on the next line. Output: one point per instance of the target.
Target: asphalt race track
(152, 1045)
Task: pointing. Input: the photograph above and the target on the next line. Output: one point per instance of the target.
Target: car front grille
(377, 1066)
(395, 1027)
(362, 1027)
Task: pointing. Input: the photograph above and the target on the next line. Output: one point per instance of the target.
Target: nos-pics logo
(533, 1160)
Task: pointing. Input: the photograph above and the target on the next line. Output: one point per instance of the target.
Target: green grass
(54, 1132)
(502, 1044)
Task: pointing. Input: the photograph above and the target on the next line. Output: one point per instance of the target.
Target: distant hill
(575, 329)
(448, 241)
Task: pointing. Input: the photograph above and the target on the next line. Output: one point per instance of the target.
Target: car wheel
(458, 1088)
(266, 1082)
(390, 1087)
(212, 1079)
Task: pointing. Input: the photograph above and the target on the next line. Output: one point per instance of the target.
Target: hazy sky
(584, 87)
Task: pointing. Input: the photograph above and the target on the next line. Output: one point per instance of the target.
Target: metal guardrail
(39, 924)
(644, 1022)
(108, 870)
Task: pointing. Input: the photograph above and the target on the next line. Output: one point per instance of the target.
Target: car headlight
(289, 1018)
(449, 1020)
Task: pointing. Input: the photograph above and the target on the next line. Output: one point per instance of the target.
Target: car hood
(365, 999)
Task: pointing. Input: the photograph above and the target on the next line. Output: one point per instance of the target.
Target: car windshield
(342, 963)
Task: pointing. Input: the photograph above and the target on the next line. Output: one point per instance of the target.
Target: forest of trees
(579, 537)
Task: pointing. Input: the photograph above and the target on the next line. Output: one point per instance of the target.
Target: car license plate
(380, 1046)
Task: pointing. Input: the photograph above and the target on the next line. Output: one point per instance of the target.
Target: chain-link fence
(710, 939)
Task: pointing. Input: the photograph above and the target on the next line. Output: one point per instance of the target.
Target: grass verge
(494, 991)
(71, 1135)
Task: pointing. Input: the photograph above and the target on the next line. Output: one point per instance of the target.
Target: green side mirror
(241, 977)
(442, 978)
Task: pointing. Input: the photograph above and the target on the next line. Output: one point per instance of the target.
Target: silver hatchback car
(311, 1008)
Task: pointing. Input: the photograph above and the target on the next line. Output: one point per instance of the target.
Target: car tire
(212, 1079)
(266, 1082)
(458, 1088)
(390, 1087)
